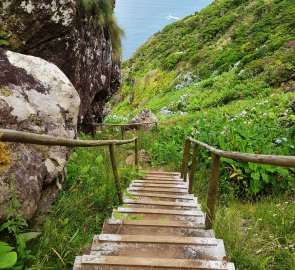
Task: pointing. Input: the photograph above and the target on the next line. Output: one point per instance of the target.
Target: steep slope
(226, 76)
(249, 45)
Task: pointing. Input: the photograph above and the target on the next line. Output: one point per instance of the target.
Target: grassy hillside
(233, 49)
(224, 75)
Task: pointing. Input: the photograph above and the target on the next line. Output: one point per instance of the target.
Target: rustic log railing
(124, 126)
(7, 135)
(276, 160)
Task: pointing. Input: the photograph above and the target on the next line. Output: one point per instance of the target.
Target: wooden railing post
(186, 152)
(115, 171)
(136, 153)
(193, 168)
(212, 191)
(122, 132)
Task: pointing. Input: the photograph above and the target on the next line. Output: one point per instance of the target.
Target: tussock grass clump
(102, 15)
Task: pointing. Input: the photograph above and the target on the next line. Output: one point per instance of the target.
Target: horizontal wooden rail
(125, 124)
(276, 160)
(7, 135)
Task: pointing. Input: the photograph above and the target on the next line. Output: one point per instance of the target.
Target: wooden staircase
(160, 226)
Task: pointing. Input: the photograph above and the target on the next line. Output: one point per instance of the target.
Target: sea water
(140, 19)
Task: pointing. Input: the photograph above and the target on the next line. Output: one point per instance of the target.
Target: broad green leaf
(5, 248)
(29, 236)
(8, 260)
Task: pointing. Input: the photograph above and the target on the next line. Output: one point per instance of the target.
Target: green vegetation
(222, 76)
(3, 35)
(225, 76)
(103, 18)
(87, 199)
(8, 257)
(15, 230)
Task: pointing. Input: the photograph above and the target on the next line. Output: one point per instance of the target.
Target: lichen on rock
(41, 100)
(64, 33)
(4, 157)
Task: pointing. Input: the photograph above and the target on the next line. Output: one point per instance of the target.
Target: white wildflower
(278, 141)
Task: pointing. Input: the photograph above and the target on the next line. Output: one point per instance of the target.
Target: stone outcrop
(35, 96)
(144, 116)
(62, 33)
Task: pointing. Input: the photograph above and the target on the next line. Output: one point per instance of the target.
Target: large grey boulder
(35, 96)
(63, 33)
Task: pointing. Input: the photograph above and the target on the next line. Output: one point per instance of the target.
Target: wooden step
(162, 204)
(163, 178)
(162, 173)
(201, 241)
(159, 185)
(88, 262)
(154, 227)
(172, 182)
(161, 211)
(164, 196)
(159, 190)
(170, 247)
(159, 214)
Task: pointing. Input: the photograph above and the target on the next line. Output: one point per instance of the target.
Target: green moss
(5, 159)
(5, 91)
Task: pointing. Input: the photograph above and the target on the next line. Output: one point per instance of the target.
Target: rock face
(35, 96)
(145, 116)
(61, 32)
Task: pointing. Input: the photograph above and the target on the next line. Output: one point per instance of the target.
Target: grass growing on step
(163, 219)
(123, 216)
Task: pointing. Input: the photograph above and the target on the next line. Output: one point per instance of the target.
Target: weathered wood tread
(163, 203)
(152, 263)
(202, 241)
(170, 190)
(163, 173)
(161, 211)
(164, 223)
(172, 182)
(156, 185)
(163, 195)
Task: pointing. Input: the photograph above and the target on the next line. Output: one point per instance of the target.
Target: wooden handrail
(125, 125)
(276, 160)
(8, 135)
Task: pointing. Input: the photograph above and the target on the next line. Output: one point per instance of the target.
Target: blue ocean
(140, 19)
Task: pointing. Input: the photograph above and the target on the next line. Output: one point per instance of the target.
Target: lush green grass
(259, 235)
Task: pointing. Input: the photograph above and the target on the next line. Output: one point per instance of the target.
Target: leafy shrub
(103, 18)
(8, 257)
(171, 61)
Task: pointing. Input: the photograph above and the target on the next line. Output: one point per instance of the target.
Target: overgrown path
(160, 226)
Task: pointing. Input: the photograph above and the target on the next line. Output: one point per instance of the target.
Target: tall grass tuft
(103, 18)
